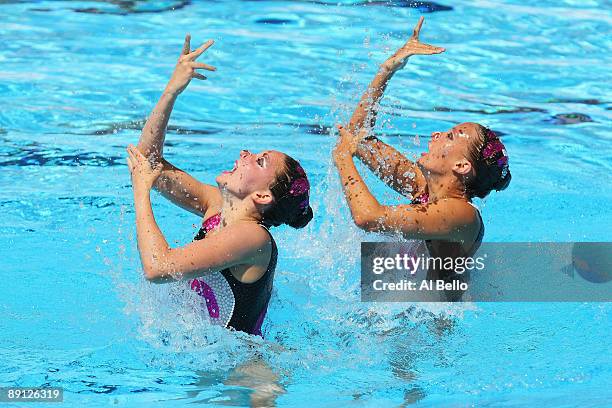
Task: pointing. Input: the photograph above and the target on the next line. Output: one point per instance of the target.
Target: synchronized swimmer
(464, 162)
(232, 259)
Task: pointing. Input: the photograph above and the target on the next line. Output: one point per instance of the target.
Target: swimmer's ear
(463, 167)
(262, 197)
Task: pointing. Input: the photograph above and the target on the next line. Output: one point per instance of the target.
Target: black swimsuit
(230, 302)
(443, 273)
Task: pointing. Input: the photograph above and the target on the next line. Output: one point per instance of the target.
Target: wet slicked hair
(291, 192)
(490, 162)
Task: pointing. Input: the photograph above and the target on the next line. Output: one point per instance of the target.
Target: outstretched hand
(143, 172)
(186, 66)
(412, 47)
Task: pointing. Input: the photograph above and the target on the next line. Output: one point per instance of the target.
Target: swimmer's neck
(441, 187)
(234, 209)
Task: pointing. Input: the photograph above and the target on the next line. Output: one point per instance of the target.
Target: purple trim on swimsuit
(422, 199)
(211, 222)
(207, 293)
(257, 329)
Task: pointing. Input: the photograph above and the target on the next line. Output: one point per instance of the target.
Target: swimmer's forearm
(365, 209)
(152, 245)
(367, 109)
(153, 134)
(389, 165)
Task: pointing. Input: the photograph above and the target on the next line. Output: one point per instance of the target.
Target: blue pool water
(77, 80)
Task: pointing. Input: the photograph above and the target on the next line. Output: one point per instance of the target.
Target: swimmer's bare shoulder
(446, 219)
(222, 248)
(450, 219)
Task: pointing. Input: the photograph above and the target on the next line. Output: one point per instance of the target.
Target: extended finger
(130, 149)
(417, 28)
(186, 45)
(200, 50)
(138, 153)
(132, 154)
(135, 151)
(436, 50)
(203, 66)
(433, 49)
(198, 76)
(130, 164)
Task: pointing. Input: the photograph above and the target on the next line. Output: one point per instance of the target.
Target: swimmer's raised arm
(173, 183)
(161, 263)
(367, 110)
(449, 219)
(151, 142)
(387, 163)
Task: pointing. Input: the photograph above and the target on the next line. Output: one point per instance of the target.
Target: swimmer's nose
(244, 153)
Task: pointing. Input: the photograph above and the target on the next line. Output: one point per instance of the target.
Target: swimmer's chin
(420, 160)
(221, 180)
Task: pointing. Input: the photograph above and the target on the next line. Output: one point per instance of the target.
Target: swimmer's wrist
(364, 142)
(171, 92)
(392, 65)
(386, 67)
(142, 189)
(173, 89)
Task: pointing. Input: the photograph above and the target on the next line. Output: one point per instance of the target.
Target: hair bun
(503, 182)
(302, 219)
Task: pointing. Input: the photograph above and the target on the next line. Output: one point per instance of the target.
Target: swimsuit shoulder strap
(274, 247)
(481, 231)
(477, 212)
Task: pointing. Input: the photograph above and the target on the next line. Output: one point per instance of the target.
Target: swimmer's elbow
(151, 274)
(155, 274)
(369, 222)
(362, 222)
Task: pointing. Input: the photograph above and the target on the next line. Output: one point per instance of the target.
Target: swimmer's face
(448, 151)
(252, 175)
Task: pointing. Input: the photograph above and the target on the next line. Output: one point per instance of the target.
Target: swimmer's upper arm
(223, 249)
(445, 219)
(184, 190)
